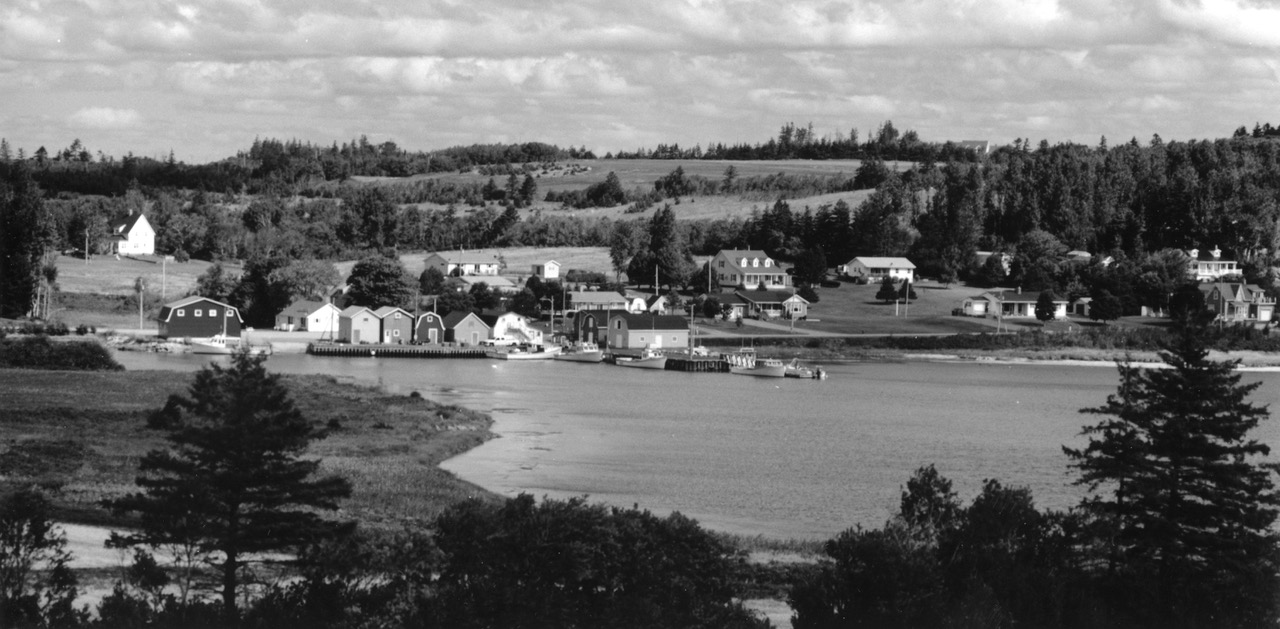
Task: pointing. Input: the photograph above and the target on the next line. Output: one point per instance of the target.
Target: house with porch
(133, 236)
(749, 268)
(456, 263)
(1011, 304)
(307, 315)
(1237, 302)
(395, 325)
(1209, 266)
(429, 329)
(770, 304)
(198, 317)
(637, 331)
(465, 328)
(872, 269)
(599, 300)
(357, 324)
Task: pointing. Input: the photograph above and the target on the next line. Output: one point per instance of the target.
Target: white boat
(582, 353)
(523, 353)
(796, 370)
(745, 363)
(648, 359)
(217, 345)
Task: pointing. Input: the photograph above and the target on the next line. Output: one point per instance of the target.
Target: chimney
(1217, 253)
(1194, 253)
(1019, 290)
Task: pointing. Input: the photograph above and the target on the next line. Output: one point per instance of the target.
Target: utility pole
(86, 246)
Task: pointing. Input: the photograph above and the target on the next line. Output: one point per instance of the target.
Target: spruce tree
(25, 233)
(231, 484)
(1183, 501)
(888, 290)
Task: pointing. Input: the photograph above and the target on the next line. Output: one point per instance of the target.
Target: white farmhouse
(134, 236)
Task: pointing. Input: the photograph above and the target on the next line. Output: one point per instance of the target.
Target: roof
(128, 224)
(386, 311)
(352, 311)
(982, 146)
(452, 319)
(582, 297)
(1016, 297)
(1235, 290)
(492, 281)
(304, 307)
(652, 322)
(464, 257)
(430, 316)
(899, 263)
(490, 317)
(767, 296)
(166, 311)
(736, 255)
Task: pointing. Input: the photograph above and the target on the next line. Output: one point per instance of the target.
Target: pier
(393, 351)
(697, 365)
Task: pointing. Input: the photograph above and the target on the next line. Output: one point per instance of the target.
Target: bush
(38, 352)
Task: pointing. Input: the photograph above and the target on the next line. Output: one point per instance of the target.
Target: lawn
(86, 432)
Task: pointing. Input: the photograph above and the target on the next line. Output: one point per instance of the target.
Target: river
(778, 457)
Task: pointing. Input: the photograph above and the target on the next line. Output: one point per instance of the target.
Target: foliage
(888, 290)
(431, 281)
(570, 564)
(37, 586)
(810, 267)
(455, 301)
(1189, 504)
(807, 292)
(378, 281)
(215, 283)
(1104, 306)
(25, 232)
(39, 352)
(1046, 309)
(231, 485)
(305, 279)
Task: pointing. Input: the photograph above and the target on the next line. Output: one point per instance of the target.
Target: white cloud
(105, 118)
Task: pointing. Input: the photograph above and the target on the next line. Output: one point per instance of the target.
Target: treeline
(1264, 130)
(793, 142)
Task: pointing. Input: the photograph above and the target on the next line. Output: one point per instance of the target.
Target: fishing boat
(581, 353)
(744, 362)
(217, 345)
(520, 352)
(796, 370)
(648, 359)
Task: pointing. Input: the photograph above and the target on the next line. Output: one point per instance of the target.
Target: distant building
(134, 236)
(549, 270)
(452, 263)
(1210, 267)
(198, 317)
(1238, 302)
(309, 316)
(598, 300)
(981, 147)
(876, 269)
(1010, 304)
(748, 268)
(637, 331)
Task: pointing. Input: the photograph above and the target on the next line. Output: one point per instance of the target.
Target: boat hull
(581, 357)
(654, 362)
(760, 371)
(547, 354)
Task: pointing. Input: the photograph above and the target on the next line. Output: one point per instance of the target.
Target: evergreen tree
(1045, 308)
(25, 232)
(1189, 505)
(670, 252)
(1103, 306)
(231, 483)
(888, 291)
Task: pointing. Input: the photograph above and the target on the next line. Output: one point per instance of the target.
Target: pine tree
(25, 232)
(888, 291)
(231, 484)
(1188, 508)
(1046, 309)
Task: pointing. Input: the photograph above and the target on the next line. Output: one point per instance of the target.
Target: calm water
(780, 457)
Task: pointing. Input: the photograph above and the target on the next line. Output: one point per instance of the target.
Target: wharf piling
(393, 351)
(697, 365)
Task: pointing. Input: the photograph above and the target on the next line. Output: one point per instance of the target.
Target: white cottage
(134, 236)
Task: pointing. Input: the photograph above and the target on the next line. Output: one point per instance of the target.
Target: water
(780, 457)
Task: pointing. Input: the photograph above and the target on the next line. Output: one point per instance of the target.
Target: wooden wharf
(393, 351)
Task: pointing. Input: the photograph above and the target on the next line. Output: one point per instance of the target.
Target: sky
(204, 78)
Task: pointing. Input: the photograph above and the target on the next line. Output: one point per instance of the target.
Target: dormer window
(743, 262)
(755, 262)
(768, 262)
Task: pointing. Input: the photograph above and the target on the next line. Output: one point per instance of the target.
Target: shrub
(38, 352)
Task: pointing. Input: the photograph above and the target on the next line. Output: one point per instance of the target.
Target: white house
(134, 236)
(1010, 304)
(875, 269)
(463, 263)
(748, 267)
(600, 300)
(309, 316)
(513, 326)
(549, 270)
(1211, 269)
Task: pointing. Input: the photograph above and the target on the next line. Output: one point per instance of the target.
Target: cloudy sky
(204, 77)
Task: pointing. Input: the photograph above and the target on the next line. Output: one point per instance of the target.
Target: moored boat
(217, 345)
(648, 359)
(796, 370)
(582, 353)
(522, 353)
(745, 363)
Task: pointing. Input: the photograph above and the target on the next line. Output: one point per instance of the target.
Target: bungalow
(1238, 302)
(465, 328)
(512, 325)
(876, 269)
(457, 263)
(358, 324)
(736, 305)
(764, 304)
(1016, 304)
(549, 270)
(198, 317)
(395, 325)
(309, 316)
(1210, 269)
(748, 267)
(637, 331)
(496, 283)
(430, 329)
(134, 236)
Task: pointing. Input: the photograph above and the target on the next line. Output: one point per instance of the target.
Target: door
(475, 337)
(355, 335)
(431, 335)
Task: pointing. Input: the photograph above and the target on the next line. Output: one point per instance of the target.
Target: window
(213, 312)
(397, 315)
(617, 325)
(755, 262)
(197, 312)
(768, 262)
(722, 264)
(182, 313)
(229, 311)
(395, 332)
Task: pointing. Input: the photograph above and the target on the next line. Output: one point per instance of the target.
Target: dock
(697, 365)
(378, 350)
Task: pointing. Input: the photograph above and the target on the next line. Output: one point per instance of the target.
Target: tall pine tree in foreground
(231, 484)
(1183, 501)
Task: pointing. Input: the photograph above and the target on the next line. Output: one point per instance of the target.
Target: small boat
(796, 370)
(745, 363)
(648, 359)
(524, 353)
(582, 353)
(217, 345)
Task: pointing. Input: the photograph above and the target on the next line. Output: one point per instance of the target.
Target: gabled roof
(386, 311)
(352, 311)
(166, 311)
(735, 256)
(305, 307)
(128, 224)
(1013, 296)
(768, 296)
(894, 263)
(583, 297)
(452, 319)
(652, 322)
(430, 316)
(1235, 291)
(465, 257)
(490, 317)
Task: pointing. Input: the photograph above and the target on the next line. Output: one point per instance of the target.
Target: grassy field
(86, 432)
